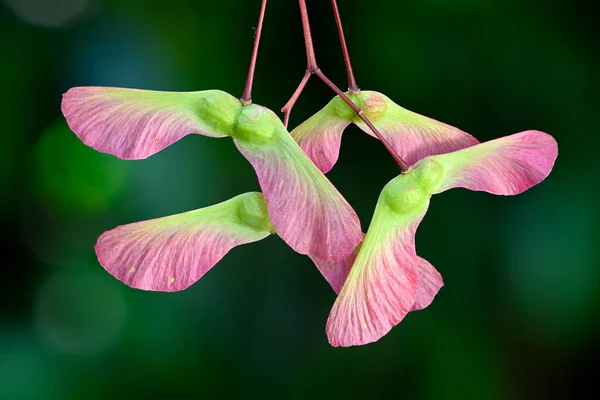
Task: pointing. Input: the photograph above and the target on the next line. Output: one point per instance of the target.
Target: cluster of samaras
(378, 276)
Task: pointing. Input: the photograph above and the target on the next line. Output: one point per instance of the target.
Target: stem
(311, 60)
(247, 95)
(352, 86)
(401, 163)
(287, 109)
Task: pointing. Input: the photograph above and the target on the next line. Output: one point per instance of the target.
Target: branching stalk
(312, 68)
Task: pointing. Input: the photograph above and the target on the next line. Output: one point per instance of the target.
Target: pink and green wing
(135, 124)
(411, 135)
(320, 136)
(171, 253)
(310, 215)
(505, 166)
(430, 283)
(382, 285)
(336, 272)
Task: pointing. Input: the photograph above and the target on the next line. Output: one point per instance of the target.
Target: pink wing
(135, 124)
(505, 166)
(169, 254)
(411, 135)
(320, 136)
(382, 285)
(430, 283)
(306, 209)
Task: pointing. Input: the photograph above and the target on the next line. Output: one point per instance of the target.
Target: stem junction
(313, 69)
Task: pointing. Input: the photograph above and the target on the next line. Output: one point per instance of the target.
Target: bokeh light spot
(74, 177)
(25, 371)
(80, 313)
(48, 13)
(551, 271)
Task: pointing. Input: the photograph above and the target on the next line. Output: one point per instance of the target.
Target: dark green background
(518, 317)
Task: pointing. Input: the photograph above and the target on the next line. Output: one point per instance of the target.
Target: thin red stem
(352, 86)
(311, 60)
(287, 109)
(247, 95)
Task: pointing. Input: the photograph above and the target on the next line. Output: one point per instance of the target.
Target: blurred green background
(518, 317)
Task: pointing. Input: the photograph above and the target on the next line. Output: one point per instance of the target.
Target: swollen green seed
(428, 174)
(253, 212)
(341, 109)
(373, 105)
(256, 124)
(403, 194)
(218, 111)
